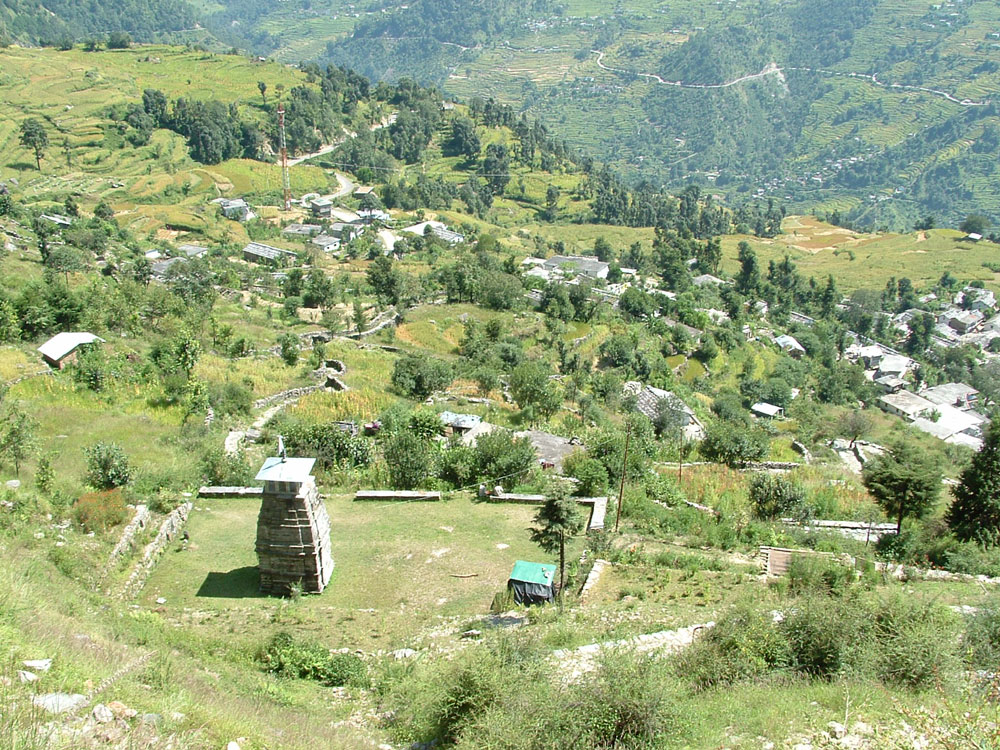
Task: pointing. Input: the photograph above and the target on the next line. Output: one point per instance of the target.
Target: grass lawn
(394, 574)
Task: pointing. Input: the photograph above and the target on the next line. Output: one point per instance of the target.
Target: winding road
(773, 69)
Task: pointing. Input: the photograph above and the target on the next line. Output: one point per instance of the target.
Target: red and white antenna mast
(286, 183)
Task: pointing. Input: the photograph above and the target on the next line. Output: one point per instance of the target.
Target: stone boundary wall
(169, 529)
(225, 492)
(593, 577)
(138, 522)
(286, 395)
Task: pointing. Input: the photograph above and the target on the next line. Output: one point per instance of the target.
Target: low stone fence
(397, 495)
(138, 522)
(225, 492)
(169, 529)
(286, 395)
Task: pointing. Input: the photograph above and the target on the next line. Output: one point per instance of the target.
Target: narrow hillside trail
(773, 69)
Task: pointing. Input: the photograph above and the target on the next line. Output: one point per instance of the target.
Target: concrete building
(906, 405)
(769, 411)
(650, 400)
(301, 230)
(321, 208)
(958, 395)
(293, 529)
(192, 252)
(437, 229)
(236, 209)
(161, 269)
(326, 243)
(578, 265)
(790, 346)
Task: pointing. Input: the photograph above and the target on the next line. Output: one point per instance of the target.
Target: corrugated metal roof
(65, 343)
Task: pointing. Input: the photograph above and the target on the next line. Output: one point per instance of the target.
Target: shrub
(285, 657)
(916, 642)
(733, 444)
(99, 511)
(773, 496)
(592, 476)
(745, 644)
(824, 640)
(981, 641)
(819, 575)
(107, 466)
(225, 469)
(230, 398)
(408, 459)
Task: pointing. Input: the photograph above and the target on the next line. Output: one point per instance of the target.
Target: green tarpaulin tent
(532, 583)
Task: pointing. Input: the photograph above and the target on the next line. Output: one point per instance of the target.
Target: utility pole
(621, 486)
(286, 183)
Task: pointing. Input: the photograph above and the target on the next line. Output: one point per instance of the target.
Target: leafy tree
(974, 514)
(104, 211)
(119, 40)
(773, 496)
(186, 351)
(904, 482)
(385, 280)
(855, 424)
(551, 202)
(18, 436)
(592, 477)
(734, 444)
(463, 140)
(557, 521)
(45, 474)
(748, 278)
(289, 343)
(408, 458)
(496, 168)
(33, 136)
(533, 391)
(263, 91)
(107, 466)
(419, 375)
(975, 224)
(10, 324)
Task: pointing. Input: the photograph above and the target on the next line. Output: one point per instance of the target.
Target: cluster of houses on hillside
(946, 411)
(967, 318)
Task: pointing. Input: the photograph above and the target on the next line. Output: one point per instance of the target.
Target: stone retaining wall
(169, 529)
(138, 522)
(286, 395)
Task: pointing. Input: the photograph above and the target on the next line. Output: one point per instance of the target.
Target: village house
(551, 449)
(973, 298)
(326, 243)
(374, 215)
(650, 401)
(790, 346)
(893, 365)
(257, 252)
(945, 422)
(768, 411)
(583, 265)
(57, 219)
(301, 230)
(236, 209)
(437, 229)
(321, 208)
(906, 404)
(959, 395)
(161, 269)
(459, 423)
(191, 252)
(707, 279)
(963, 321)
(64, 347)
(344, 232)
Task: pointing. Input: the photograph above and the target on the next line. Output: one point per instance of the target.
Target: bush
(107, 466)
(592, 476)
(824, 640)
(225, 469)
(981, 642)
(733, 444)
(99, 511)
(230, 398)
(819, 575)
(408, 459)
(773, 496)
(916, 642)
(285, 657)
(745, 644)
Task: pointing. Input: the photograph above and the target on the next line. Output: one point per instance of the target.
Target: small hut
(532, 583)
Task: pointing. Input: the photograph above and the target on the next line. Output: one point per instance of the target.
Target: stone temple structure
(293, 528)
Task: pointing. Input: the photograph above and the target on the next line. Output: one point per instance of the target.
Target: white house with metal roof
(63, 347)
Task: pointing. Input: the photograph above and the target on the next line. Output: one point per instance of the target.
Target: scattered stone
(470, 634)
(160, 600)
(102, 714)
(861, 727)
(177, 716)
(13, 484)
(233, 746)
(403, 653)
(25, 676)
(449, 529)
(39, 535)
(503, 546)
(153, 719)
(121, 711)
(58, 703)
(836, 729)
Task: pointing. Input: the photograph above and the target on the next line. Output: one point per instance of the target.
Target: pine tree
(904, 482)
(557, 521)
(974, 514)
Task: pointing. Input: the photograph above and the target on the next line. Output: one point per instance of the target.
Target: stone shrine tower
(293, 528)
